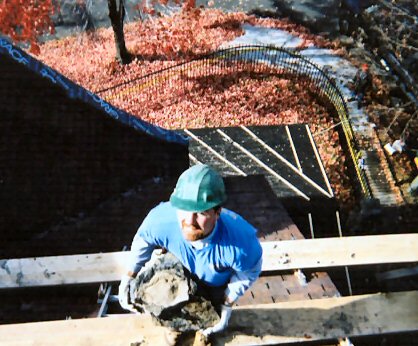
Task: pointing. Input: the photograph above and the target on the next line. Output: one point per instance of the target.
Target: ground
(385, 102)
(164, 41)
(385, 39)
(358, 38)
(231, 100)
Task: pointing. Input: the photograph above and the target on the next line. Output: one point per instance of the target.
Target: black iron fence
(161, 88)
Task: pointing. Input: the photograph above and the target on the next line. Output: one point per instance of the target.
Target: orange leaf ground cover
(230, 99)
(89, 58)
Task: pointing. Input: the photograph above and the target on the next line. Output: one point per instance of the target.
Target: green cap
(199, 188)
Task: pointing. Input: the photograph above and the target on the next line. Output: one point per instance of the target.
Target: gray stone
(319, 16)
(166, 291)
(346, 40)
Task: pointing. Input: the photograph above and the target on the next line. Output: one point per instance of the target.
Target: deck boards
(237, 144)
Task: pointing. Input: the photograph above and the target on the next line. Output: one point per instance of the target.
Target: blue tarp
(77, 92)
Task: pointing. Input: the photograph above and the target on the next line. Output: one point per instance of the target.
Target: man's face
(196, 226)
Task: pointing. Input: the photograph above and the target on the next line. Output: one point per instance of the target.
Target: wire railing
(162, 88)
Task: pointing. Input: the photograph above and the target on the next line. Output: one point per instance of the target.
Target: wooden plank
(266, 324)
(278, 255)
(344, 251)
(62, 270)
(321, 319)
(129, 329)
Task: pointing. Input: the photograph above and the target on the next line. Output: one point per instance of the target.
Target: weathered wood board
(344, 251)
(129, 329)
(266, 324)
(320, 319)
(278, 255)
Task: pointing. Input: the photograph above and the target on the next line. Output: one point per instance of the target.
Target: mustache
(191, 232)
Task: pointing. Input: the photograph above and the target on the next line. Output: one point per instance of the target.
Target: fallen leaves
(233, 98)
(226, 97)
(155, 44)
(25, 20)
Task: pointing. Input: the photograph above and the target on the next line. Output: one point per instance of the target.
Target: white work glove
(226, 311)
(123, 294)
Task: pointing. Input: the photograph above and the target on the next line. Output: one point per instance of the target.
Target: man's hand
(123, 294)
(222, 324)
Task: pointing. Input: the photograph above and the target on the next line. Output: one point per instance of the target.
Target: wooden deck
(285, 157)
(291, 285)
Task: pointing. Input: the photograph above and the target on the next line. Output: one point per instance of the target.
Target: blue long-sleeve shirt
(230, 255)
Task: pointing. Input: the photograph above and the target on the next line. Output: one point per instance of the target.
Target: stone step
(380, 183)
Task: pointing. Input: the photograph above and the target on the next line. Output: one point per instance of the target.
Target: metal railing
(161, 88)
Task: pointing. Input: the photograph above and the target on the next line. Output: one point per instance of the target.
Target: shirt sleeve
(140, 254)
(242, 280)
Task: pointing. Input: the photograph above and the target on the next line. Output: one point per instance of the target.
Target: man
(217, 246)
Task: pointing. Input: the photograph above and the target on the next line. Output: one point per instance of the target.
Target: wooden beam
(322, 319)
(278, 255)
(344, 251)
(129, 329)
(62, 270)
(298, 321)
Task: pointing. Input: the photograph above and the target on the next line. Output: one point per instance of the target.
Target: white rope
(295, 154)
(347, 274)
(262, 164)
(194, 159)
(311, 225)
(287, 163)
(219, 156)
(318, 158)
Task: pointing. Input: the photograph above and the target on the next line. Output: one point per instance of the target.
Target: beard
(192, 233)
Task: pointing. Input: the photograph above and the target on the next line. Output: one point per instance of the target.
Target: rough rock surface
(166, 291)
(319, 16)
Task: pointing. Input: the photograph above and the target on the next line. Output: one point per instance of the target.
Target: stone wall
(60, 156)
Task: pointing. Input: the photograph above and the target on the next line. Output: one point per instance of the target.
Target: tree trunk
(117, 15)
